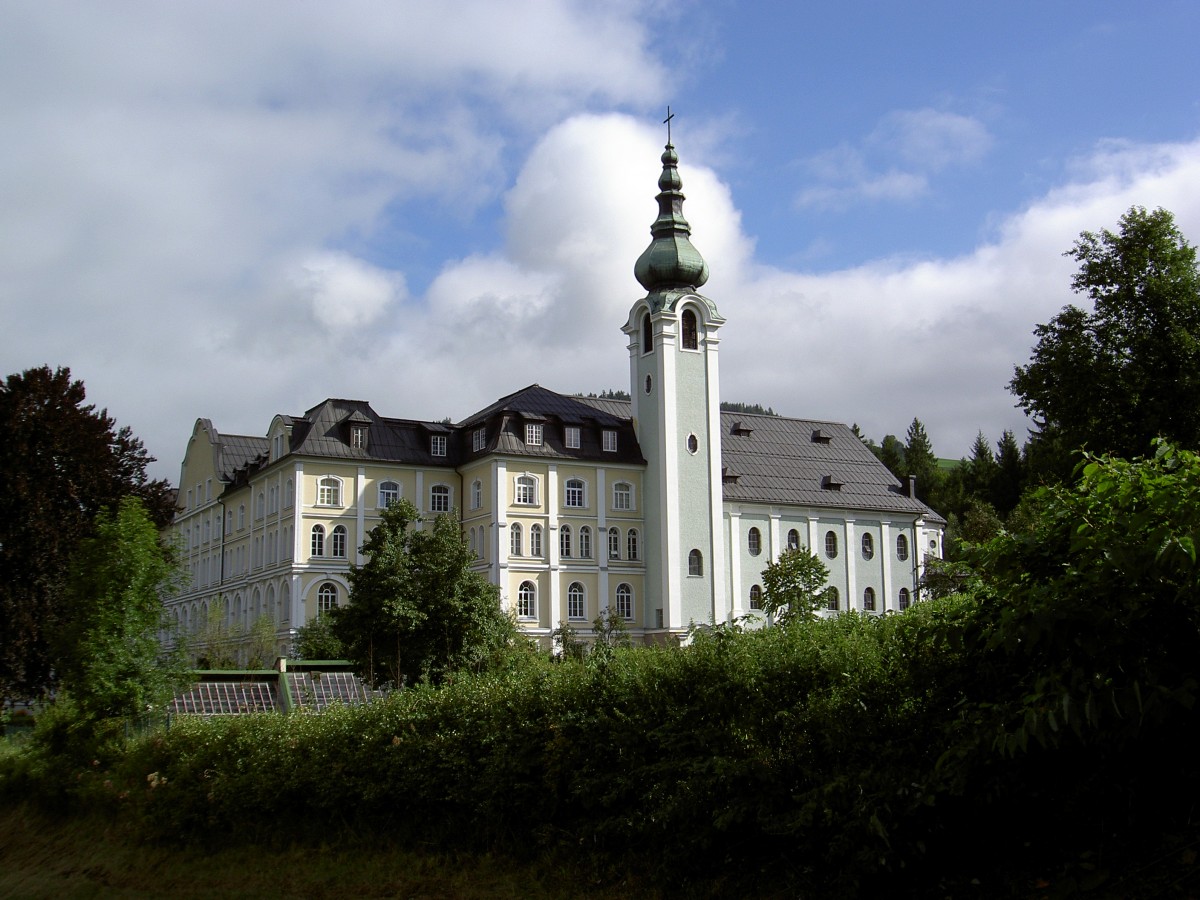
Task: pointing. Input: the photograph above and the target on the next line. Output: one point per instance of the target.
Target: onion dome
(670, 261)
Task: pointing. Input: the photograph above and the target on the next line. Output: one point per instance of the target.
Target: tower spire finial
(667, 122)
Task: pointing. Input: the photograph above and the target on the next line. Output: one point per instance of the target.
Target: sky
(232, 210)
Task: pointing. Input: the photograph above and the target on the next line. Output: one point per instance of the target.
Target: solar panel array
(317, 690)
(227, 698)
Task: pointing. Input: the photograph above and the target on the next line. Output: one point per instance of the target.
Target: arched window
(514, 539)
(535, 540)
(614, 543)
(868, 546)
(695, 563)
(285, 602)
(525, 490)
(327, 598)
(869, 599)
(471, 542)
(902, 547)
(271, 609)
(754, 541)
(756, 596)
(631, 544)
(622, 496)
(526, 600)
(575, 492)
(832, 599)
(575, 601)
(389, 493)
(647, 334)
(241, 516)
(585, 542)
(476, 494)
(624, 601)
(903, 599)
(337, 541)
(329, 491)
(259, 506)
(318, 541)
(793, 540)
(289, 494)
(688, 330)
(564, 540)
(831, 548)
(439, 499)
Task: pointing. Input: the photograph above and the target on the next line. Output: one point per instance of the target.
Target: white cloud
(346, 293)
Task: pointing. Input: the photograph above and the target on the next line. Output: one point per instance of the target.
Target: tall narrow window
(476, 494)
(631, 540)
(337, 541)
(624, 601)
(437, 445)
(903, 598)
(575, 601)
(831, 544)
(389, 493)
(695, 563)
(478, 439)
(754, 541)
(571, 437)
(514, 539)
(609, 444)
(756, 596)
(688, 330)
(358, 437)
(793, 539)
(647, 334)
(869, 599)
(535, 540)
(439, 498)
(526, 600)
(902, 547)
(868, 546)
(564, 541)
(832, 599)
(575, 492)
(318, 541)
(289, 494)
(327, 598)
(585, 542)
(614, 543)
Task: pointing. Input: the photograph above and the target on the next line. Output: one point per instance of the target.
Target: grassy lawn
(48, 857)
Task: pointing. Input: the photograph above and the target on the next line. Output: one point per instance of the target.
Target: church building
(663, 508)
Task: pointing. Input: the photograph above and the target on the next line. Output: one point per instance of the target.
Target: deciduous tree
(794, 586)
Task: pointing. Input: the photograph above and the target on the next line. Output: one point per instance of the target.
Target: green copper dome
(670, 261)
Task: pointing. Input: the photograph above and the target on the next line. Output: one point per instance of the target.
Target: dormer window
(533, 434)
(478, 439)
(610, 441)
(358, 437)
(742, 429)
(832, 483)
(821, 437)
(571, 437)
(437, 445)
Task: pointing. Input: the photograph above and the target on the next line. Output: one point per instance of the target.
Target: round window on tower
(649, 383)
(692, 443)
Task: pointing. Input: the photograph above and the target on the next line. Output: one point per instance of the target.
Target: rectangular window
(358, 437)
(622, 496)
(571, 437)
(437, 445)
(533, 435)
(479, 439)
(610, 441)
(575, 496)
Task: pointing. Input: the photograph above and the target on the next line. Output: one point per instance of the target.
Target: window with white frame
(614, 543)
(514, 539)
(526, 600)
(327, 598)
(437, 445)
(585, 542)
(525, 491)
(229, 521)
(478, 439)
(476, 494)
(564, 541)
(358, 437)
(439, 498)
(868, 546)
(831, 544)
(535, 540)
(317, 545)
(576, 608)
(624, 601)
(329, 491)
(571, 437)
(869, 599)
(533, 434)
(575, 495)
(337, 541)
(902, 547)
(631, 544)
(389, 493)
(622, 496)
(609, 441)
(754, 541)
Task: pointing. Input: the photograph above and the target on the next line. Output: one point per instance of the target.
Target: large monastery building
(662, 508)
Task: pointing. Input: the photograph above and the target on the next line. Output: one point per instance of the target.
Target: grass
(66, 858)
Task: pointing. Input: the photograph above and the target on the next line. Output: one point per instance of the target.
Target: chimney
(911, 487)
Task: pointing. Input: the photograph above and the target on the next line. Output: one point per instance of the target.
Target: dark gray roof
(324, 431)
(772, 459)
(238, 451)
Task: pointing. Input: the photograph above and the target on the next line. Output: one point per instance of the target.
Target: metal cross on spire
(667, 122)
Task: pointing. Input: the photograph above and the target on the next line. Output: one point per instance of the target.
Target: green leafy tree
(567, 643)
(794, 586)
(215, 645)
(61, 462)
(416, 609)
(111, 656)
(316, 640)
(1116, 377)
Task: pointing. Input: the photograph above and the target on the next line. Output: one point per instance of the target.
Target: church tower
(673, 339)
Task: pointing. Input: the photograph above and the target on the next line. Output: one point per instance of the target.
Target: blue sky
(231, 210)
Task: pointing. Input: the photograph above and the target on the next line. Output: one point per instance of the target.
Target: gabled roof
(324, 431)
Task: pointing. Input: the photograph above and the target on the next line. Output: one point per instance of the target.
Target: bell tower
(673, 340)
